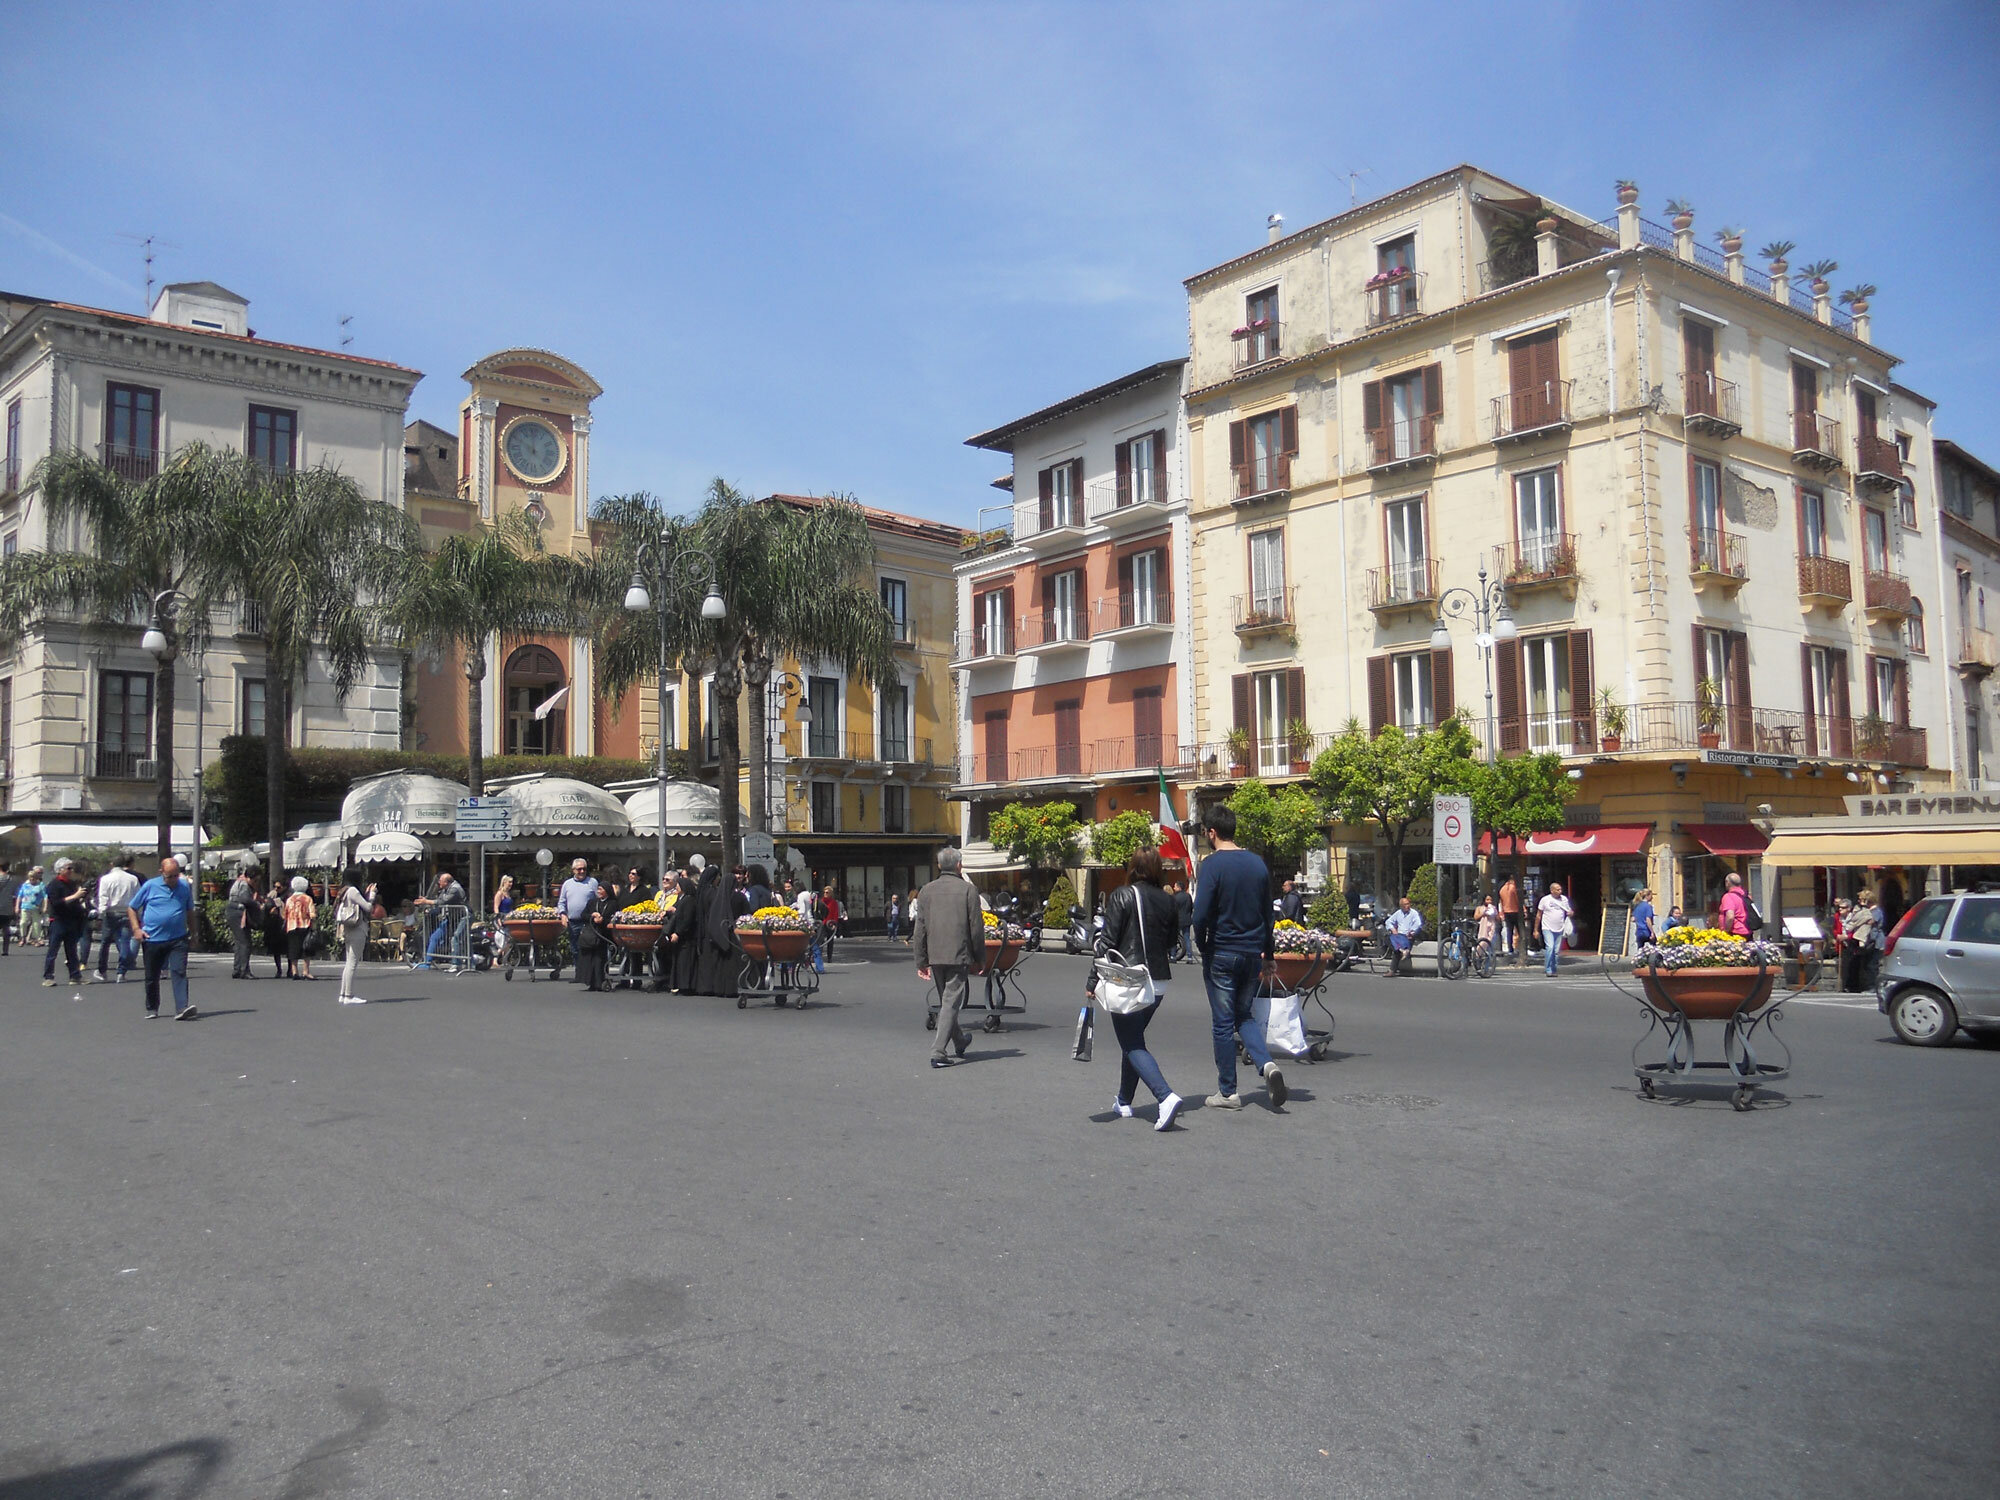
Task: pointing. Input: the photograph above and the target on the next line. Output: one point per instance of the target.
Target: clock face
(534, 451)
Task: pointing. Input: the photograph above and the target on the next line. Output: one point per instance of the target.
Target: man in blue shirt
(576, 894)
(1232, 927)
(159, 912)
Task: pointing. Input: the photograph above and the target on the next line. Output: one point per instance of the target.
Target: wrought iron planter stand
(1674, 1016)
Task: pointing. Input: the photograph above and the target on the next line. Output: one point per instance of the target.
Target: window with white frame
(1144, 450)
(1545, 674)
(1888, 672)
(1267, 573)
(896, 600)
(1274, 717)
(1538, 518)
(1708, 548)
(996, 632)
(1410, 691)
(1065, 621)
(1822, 673)
(1715, 668)
(1408, 549)
(1812, 523)
(1146, 587)
(1913, 628)
(1062, 496)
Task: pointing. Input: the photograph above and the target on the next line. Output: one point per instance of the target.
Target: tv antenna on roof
(1354, 176)
(346, 329)
(148, 243)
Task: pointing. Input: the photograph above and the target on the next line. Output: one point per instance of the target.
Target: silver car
(1941, 970)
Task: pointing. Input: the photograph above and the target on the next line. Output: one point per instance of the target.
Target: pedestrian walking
(571, 901)
(1139, 927)
(1844, 946)
(593, 942)
(10, 895)
(1404, 923)
(350, 926)
(160, 913)
(300, 913)
(807, 904)
(718, 965)
(682, 936)
(893, 921)
(271, 922)
(1232, 927)
(69, 923)
(115, 888)
(1292, 903)
(1510, 918)
(915, 898)
(948, 940)
(28, 907)
(1864, 931)
(1644, 926)
(242, 913)
(1183, 923)
(1552, 916)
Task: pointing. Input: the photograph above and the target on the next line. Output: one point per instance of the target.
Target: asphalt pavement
(501, 1239)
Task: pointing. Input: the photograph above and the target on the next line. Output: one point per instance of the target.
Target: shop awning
(1734, 840)
(560, 807)
(388, 848)
(981, 858)
(1606, 838)
(694, 810)
(134, 836)
(1867, 847)
(409, 800)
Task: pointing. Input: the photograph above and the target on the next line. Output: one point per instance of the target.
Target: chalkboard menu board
(1616, 933)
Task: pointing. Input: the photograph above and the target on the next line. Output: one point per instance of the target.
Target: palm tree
(318, 559)
(459, 595)
(137, 540)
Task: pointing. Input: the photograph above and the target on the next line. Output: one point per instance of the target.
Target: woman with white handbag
(1131, 976)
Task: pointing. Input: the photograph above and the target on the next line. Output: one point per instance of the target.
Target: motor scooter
(1083, 931)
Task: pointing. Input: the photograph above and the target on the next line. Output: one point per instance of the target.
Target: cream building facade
(76, 702)
(1711, 515)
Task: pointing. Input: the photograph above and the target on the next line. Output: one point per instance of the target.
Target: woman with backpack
(350, 922)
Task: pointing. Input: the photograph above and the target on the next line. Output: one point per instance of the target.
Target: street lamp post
(669, 567)
(1492, 621)
(781, 685)
(160, 646)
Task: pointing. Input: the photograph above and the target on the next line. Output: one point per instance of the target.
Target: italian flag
(1172, 845)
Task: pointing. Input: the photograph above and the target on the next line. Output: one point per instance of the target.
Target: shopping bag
(1284, 1028)
(1086, 1026)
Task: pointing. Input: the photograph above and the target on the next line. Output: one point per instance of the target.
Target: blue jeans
(172, 955)
(819, 959)
(445, 934)
(1552, 948)
(119, 932)
(1137, 1064)
(1232, 980)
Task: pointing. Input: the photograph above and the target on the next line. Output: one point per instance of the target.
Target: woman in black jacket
(1122, 927)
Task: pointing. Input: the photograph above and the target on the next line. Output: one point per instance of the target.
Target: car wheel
(1922, 1017)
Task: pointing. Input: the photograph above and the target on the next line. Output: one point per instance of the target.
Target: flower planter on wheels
(777, 965)
(525, 938)
(640, 941)
(1740, 998)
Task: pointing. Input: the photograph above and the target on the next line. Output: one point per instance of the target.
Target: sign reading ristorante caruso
(1953, 807)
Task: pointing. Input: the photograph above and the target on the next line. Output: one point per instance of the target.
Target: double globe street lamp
(672, 568)
(161, 647)
(1492, 621)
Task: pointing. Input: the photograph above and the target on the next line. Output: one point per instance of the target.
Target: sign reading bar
(1451, 829)
(1945, 807)
(484, 820)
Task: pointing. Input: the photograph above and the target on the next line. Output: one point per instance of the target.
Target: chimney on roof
(1274, 229)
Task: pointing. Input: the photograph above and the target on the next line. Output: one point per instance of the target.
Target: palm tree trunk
(475, 719)
(757, 675)
(728, 687)
(277, 731)
(163, 758)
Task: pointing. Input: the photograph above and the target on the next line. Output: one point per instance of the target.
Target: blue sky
(814, 247)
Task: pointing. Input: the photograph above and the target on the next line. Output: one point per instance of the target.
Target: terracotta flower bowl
(785, 946)
(640, 937)
(1301, 971)
(1708, 994)
(1001, 955)
(533, 929)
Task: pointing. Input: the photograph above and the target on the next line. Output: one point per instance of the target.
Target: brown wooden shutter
(1378, 693)
(1047, 479)
(1239, 701)
(1698, 341)
(1076, 489)
(1868, 672)
(1295, 705)
(1371, 419)
(1507, 692)
(1864, 413)
(1125, 591)
(1160, 465)
(1007, 616)
(1700, 664)
(1843, 704)
(1442, 701)
(1520, 368)
(996, 747)
(1122, 457)
(691, 690)
(1806, 683)
(1581, 691)
(1902, 695)
(1742, 729)
(1288, 429)
(1805, 389)
(1048, 606)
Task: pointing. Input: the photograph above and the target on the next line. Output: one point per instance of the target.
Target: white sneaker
(1169, 1107)
(352, 1000)
(1224, 1101)
(1274, 1082)
(1121, 1109)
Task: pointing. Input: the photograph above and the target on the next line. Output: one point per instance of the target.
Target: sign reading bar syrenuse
(1945, 807)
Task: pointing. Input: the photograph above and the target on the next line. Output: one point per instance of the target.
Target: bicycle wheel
(1482, 960)
(1451, 958)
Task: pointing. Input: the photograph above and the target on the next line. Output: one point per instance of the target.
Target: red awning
(1732, 839)
(1606, 838)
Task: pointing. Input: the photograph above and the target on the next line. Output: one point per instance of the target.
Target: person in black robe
(272, 912)
(718, 960)
(593, 946)
(681, 935)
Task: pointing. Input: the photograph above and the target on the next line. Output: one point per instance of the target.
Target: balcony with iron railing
(1268, 613)
(130, 462)
(1877, 465)
(1393, 297)
(1265, 478)
(1134, 753)
(1540, 410)
(1136, 613)
(1886, 596)
(1050, 630)
(1683, 728)
(1063, 524)
(862, 747)
(1716, 559)
(1399, 445)
(1825, 583)
(1978, 653)
(984, 643)
(117, 762)
(1710, 406)
(1403, 586)
(1255, 343)
(1540, 560)
(1134, 499)
(1815, 440)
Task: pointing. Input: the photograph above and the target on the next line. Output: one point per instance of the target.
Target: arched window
(1913, 627)
(532, 678)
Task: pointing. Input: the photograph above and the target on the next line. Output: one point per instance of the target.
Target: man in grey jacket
(948, 940)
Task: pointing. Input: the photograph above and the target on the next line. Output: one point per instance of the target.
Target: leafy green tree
(1328, 911)
(1115, 840)
(496, 580)
(1042, 835)
(1424, 896)
(1389, 780)
(1517, 796)
(1062, 896)
(1280, 825)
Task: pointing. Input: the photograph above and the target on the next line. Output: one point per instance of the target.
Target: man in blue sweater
(1232, 927)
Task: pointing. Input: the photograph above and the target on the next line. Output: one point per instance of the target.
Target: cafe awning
(407, 800)
(1732, 840)
(388, 848)
(1870, 847)
(694, 810)
(981, 858)
(138, 837)
(564, 808)
(1605, 838)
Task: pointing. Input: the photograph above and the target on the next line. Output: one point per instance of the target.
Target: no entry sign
(1451, 830)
